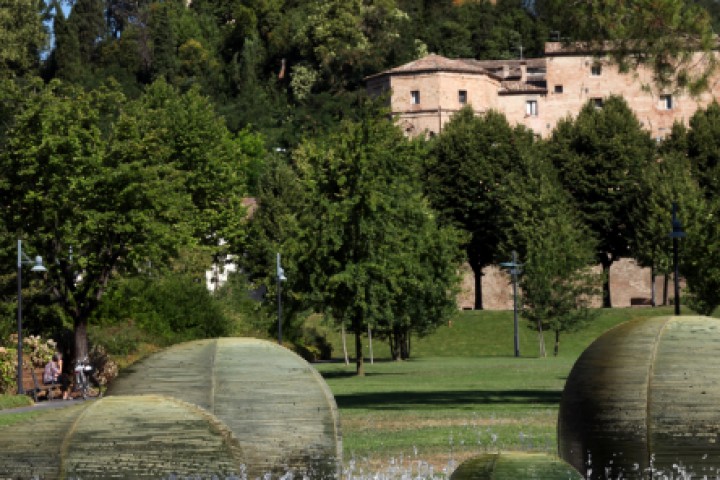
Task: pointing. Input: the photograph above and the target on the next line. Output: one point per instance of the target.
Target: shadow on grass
(445, 399)
(346, 374)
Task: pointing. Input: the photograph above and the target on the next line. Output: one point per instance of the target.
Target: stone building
(535, 92)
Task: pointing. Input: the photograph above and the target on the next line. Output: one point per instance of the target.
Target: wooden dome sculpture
(643, 399)
(274, 402)
(515, 466)
(121, 437)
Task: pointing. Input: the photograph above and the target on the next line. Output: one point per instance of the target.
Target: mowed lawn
(462, 393)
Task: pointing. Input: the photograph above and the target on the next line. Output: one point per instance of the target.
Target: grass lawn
(462, 392)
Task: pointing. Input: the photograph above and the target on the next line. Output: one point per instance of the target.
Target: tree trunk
(606, 262)
(556, 350)
(405, 345)
(652, 286)
(665, 289)
(395, 344)
(541, 339)
(372, 358)
(344, 342)
(477, 274)
(80, 340)
(359, 363)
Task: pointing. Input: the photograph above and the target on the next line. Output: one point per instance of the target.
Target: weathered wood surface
(32, 449)
(515, 466)
(275, 403)
(643, 397)
(146, 436)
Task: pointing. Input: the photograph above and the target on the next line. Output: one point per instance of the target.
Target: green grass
(462, 392)
(13, 401)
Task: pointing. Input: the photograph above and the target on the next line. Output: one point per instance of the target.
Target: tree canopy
(102, 186)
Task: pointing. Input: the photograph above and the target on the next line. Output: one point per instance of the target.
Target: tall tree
(557, 251)
(692, 178)
(601, 158)
(668, 180)
(466, 176)
(22, 36)
(374, 248)
(121, 183)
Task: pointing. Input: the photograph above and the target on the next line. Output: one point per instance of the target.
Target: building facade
(536, 92)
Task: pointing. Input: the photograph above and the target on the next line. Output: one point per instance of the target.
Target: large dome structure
(275, 403)
(515, 466)
(138, 437)
(643, 399)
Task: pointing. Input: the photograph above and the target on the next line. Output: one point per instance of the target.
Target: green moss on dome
(515, 466)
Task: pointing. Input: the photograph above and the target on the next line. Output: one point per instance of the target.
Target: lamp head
(38, 265)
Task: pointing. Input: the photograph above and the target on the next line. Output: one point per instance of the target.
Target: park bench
(33, 385)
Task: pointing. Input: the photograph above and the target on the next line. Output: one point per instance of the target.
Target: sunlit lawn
(462, 392)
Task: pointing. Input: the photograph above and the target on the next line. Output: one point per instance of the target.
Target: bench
(33, 385)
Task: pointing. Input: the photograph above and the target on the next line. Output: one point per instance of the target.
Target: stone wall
(630, 285)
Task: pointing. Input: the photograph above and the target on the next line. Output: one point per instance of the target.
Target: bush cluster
(36, 350)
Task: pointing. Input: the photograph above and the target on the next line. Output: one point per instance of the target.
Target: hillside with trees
(132, 132)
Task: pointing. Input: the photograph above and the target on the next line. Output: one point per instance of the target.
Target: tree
(665, 35)
(666, 181)
(601, 158)
(690, 178)
(22, 37)
(121, 184)
(465, 178)
(371, 228)
(557, 282)
(703, 148)
(277, 227)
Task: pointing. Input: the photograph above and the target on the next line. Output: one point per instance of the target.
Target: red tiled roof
(436, 63)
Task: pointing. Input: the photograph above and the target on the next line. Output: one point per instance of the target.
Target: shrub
(36, 350)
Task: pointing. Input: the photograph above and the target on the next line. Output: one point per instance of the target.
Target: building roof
(509, 72)
(436, 63)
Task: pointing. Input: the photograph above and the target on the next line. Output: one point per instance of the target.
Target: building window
(597, 102)
(558, 89)
(531, 108)
(596, 70)
(415, 97)
(666, 102)
(462, 97)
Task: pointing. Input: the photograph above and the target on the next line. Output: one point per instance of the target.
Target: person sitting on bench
(53, 374)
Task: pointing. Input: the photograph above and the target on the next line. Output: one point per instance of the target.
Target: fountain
(641, 402)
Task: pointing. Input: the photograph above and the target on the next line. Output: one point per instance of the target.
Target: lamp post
(514, 270)
(676, 234)
(280, 273)
(37, 264)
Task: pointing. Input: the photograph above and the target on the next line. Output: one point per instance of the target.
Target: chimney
(523, 71)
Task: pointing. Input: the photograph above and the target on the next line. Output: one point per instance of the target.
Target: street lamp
(676, 234)
(514, 272)
(280, 273)
(38, 266)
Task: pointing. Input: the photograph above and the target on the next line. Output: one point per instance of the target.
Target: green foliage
(703, 147)
(373, 254)
(243, 311)
(171, 309)
(121, 183)
(690, 171)
(601, 158)
(557, 251)
(466, 178)
(118, 337)
(663, 35)
(22, 37)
